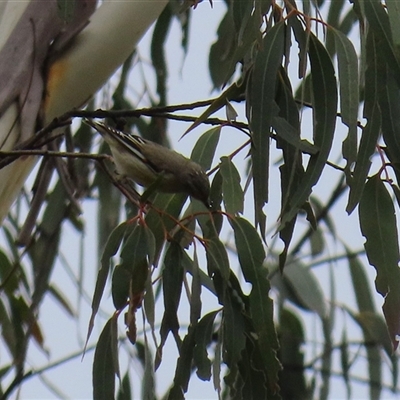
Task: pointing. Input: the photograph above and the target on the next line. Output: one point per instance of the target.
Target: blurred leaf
(231, 113)
(317, 242)
(62, 300)
(221, 52)
(344, 359)
(232, 191)
(148, 386)
(378, 225)
(105, 360)
(393, 10)
(158, 52)
(195, 298)
(66, 9)
(291, 338)
(110, 200)
(263, 109)
(366, 306)
(124, 392)
(301, 286)
(359, 278)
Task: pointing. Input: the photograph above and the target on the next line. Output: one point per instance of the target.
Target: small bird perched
(144, 162)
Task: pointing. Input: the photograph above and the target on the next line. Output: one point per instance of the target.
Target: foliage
(261, 277)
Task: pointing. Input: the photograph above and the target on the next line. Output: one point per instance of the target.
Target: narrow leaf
(231, 189)
(324, 113)
(349, 88)
(251, 257)
(104, 362)
(263, 109)
(378, 225)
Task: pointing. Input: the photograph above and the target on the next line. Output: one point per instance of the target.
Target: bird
(145, 162)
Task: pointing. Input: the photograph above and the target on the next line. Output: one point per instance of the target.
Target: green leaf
(288, 133)
(66, 9)
(393, 10)
(231, 189)
(105, 361)
(263, 109)
(291, 338)
(217, 258)
(324, 112)
(203, 337)
(367, 148)
(366, 307)
(172, 287)
(251, 258)
(148, 386)
(349, 88)
(139, 246)
(158, 52)
(389, 101)
(160, 224)
(120, 285)
(344, 359)
(204, 150)
(233, 321)
(195, 298)
(233, 91)
(124, 392)
(378, 225)
(110, 249)
(221, 52)
(304, 288)
(359, 279)
(183, 367)
(380, 25)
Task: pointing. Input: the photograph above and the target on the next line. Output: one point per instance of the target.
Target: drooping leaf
(158, 52)
(204, 150)
(380, 25)
(378, 225)
(232, 191)
(324, 114)
(251, 257)
(124, 392)
(148, 387)
(110, 249)
(291, 338)
(217, 258)
(172, 288)
(183, 367)
(393, 10)
(263, 109)
(349, 88)
(105, 361)
(203, 336)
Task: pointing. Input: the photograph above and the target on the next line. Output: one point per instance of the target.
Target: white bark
(113, 32)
